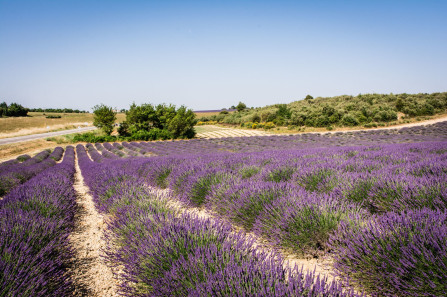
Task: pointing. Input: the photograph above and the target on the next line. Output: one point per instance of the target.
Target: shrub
(349, 120)
(241, 106)
(93, 138)
(302, 221)
(370, 125)
(104, 118)
(269, 125)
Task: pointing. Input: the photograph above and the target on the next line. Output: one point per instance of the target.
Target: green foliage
(309, 229)
(53, 116)
(93, 138)
(58, 110)
(256, 118)
(399, 104)
(340, 110)
(123, 129)
(349, 120)
(182, 124)
(370, 125)
(249, 171)
(241, 106)
(309, 97)
(13, 110)
(153, 134)
(104, 118)
(269, 125)
(148, 122)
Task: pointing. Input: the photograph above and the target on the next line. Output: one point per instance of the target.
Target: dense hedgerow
(368, 110)
(35, 221)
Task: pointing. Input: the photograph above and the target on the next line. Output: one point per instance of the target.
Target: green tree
(399, 104)
(141, 117)
(13, 110)
(309, 97)
(349, 120)
(163, 115)
(241, 106)
(104, 118)
(182, 124)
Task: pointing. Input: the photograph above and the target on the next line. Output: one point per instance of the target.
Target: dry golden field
(37, 122)
(206, 114)
(10, 151)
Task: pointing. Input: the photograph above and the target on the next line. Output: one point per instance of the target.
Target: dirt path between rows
(91, 275)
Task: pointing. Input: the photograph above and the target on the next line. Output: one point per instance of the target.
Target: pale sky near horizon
(213, 54)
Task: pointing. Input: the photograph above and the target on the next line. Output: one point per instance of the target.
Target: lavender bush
(35, 221)
(16, 173)
(167, 254)
(309, 200)
(113, 149)
(396, 254)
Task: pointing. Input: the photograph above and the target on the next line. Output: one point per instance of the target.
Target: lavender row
(105, 152)
(27, 161)
(379, 178)
(141, 148)
(435, 132)
(134, 150)
(395, 254)
(169, 254)
(113, 149)
(16, 174)
(306, 200)
(36, 219)
(94, 154)
(19, 159)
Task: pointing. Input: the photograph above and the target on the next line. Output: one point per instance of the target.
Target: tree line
(13, 110)
(58, 110)
(147, 122)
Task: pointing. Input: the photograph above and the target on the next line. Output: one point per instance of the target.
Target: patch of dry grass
(208, 114)
(38, 123)
(13, 150)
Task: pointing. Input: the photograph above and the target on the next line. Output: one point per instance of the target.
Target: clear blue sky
(213, 54)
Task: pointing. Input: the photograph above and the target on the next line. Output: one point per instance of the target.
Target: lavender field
(228, 216)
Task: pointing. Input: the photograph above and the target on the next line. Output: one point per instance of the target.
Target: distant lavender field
(372, 202)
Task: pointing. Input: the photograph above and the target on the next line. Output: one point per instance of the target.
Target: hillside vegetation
(368, 110)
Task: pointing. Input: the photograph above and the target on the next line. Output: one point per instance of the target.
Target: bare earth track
(92, 277)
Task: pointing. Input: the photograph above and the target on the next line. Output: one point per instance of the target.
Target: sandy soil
(92, 277)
